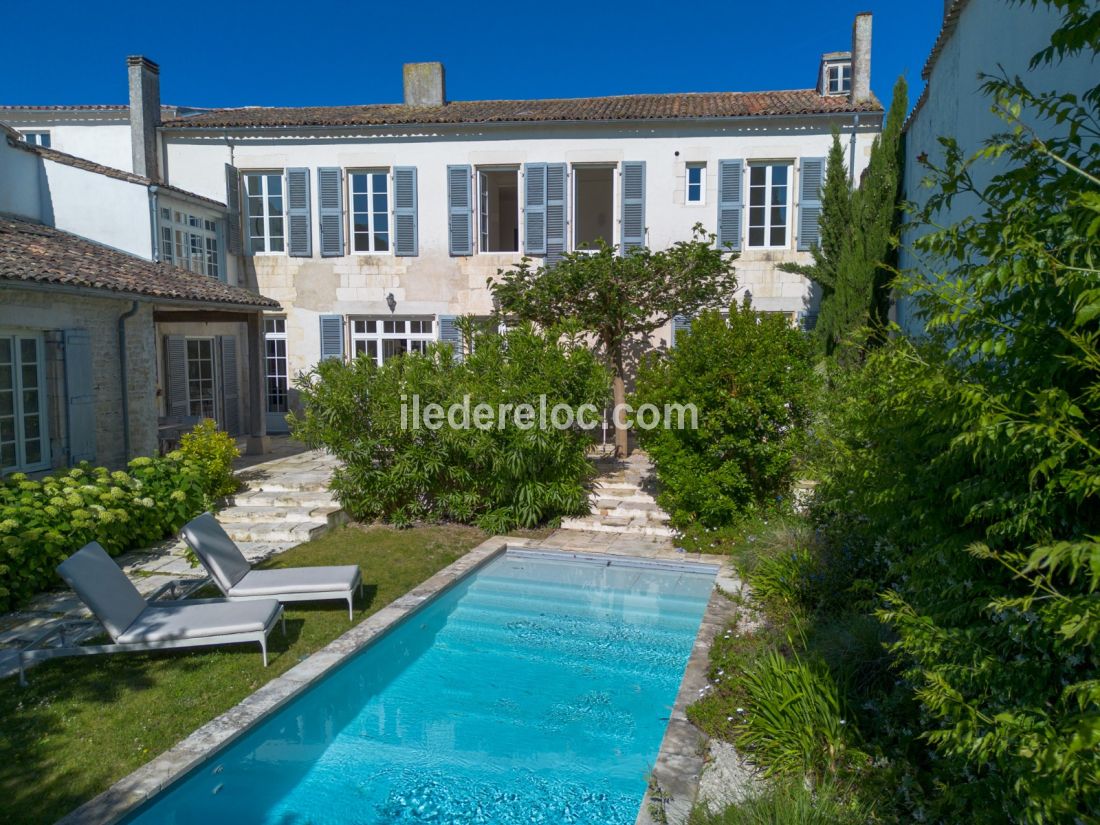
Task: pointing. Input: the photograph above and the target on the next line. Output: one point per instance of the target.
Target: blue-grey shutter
(330, 210)
(223, 267)
(332, 336)
(299, 233)
(459, 211)
(233, 243)
(633, 205)
(231, 385)
(680, 325)
(449, 333)
(556, 187)
(79, 396)
(729, 203)
(406, 243)
(811, 178)
(175, 375)
(534, 209)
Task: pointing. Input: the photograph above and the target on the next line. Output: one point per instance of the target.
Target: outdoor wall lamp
(391, 302)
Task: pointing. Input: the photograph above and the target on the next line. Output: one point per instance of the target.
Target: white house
(375, 226)
(977, 37)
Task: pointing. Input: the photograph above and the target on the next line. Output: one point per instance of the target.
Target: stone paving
(284, 502)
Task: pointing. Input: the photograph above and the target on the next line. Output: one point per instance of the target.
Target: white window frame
(688, 168)
(181, 233)
(836, 72)
(372, 215)
(214, 383)
(21, 464)
(273, 332)
(768, 204)
(483, 210)
(267, 215)
(378, 329)
(34, 137)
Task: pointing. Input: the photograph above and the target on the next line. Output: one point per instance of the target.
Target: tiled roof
(703, 105)
(31, 253)
(110, 172)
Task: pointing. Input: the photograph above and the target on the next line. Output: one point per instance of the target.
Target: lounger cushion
(165, 622)
(102, 586)
(216, 550)
(296, 580)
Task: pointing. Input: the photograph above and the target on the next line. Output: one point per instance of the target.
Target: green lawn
(82, 724)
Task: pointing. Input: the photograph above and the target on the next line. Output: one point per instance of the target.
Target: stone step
(604, 524)
(616, 490)
(295, 532)
(288, 498)
(656, 516)
(237, 515)
(629, 502)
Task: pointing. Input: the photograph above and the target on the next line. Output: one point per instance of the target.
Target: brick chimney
(144, 114)
(424, 84)
(861, 58)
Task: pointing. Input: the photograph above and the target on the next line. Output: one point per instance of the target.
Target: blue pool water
(537, 690)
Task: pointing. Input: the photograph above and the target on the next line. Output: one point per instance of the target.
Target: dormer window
(838, 78)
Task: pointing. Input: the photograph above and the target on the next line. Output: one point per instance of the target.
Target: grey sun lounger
(238, 581)
(137, 625)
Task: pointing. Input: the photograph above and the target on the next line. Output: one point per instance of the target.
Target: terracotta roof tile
(623, 108)
(31, 253)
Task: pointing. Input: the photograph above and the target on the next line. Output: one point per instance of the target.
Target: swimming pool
(537, 689)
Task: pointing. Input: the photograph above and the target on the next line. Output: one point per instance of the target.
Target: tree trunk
(618, 391)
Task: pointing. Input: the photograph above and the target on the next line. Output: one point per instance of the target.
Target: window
(498, 210)
(277, 373)
(769, 204)
(593, 205)
(24, 444)
(696, 182)
(370, 211)
(380, 339)
(200, 377)
(264, 194)
(838, 78)
(190, 242)
(37, 138)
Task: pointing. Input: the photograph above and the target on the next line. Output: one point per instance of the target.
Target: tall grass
(790, 803)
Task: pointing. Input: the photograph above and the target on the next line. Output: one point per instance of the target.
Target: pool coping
(676, 771)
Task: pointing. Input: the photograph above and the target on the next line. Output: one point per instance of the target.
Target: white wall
(102, 138)
(435, 283)
(106, 210)
(989, 33)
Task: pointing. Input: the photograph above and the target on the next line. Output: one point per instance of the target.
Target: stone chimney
(861, 58)
(144, 114)
(424, 84)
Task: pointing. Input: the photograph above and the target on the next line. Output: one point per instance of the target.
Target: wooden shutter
(230, 385)
(459, 211)
(330, 210)
(233, 244)
(729, 203)
(680, 325)
(332, 336)
(556, 187)
(299, 231)
(534, 209)
(79, 396)
(449, 333)
(406, 243)
(633, 205)
(175, 375)
(810, 179)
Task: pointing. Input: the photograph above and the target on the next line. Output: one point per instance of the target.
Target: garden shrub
(42, 522)
(751, 379)
(214, 451)
(496, 477)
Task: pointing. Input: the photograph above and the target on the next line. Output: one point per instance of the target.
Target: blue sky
(319, 52)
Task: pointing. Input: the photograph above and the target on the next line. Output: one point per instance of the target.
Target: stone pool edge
(133, 790)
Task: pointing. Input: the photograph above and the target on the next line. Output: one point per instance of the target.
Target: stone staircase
(622, 501)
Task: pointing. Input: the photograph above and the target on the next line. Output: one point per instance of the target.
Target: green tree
(620, 298)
